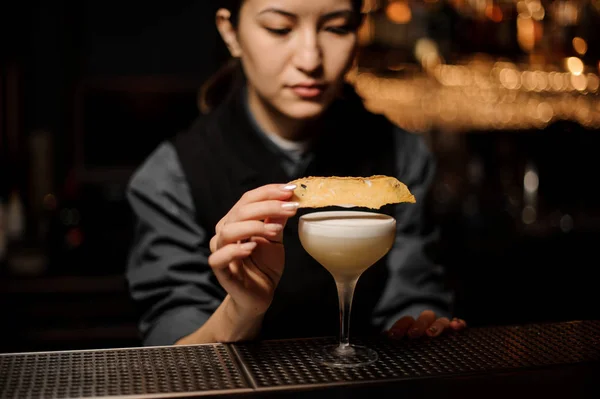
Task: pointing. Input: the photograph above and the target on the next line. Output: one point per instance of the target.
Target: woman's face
(295, 52)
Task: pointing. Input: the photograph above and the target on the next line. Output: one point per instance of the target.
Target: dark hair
(228, 78)
(234, 7)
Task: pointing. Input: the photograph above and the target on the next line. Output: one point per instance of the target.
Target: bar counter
(539, 360)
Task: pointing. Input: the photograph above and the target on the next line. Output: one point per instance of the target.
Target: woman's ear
(228, 32)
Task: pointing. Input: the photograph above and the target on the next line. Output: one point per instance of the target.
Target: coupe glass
(346, 243)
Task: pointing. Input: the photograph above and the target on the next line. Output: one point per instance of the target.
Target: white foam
(347, 224)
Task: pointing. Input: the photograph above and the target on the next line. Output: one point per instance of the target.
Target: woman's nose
(308, 57)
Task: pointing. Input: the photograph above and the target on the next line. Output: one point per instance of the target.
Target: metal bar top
(286, 366)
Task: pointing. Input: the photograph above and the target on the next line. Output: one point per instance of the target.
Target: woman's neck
(273, 122)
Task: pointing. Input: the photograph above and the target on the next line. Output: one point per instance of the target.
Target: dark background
(100, 84)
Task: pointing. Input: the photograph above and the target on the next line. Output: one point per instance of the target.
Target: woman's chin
(304, 109)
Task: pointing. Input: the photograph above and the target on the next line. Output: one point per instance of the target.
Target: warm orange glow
(510, 79)
(580, 45)
(537, 10)
(526, 33)
(531, 9)
(574, 65)
(370, 6)
(494, 13)
(579, 82)
(366, 32)
(399, 12)
(484, 95)
(593, 83)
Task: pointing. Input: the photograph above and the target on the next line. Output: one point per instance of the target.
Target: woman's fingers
(400, 327)
(277, 221)
(425, 319)
(264, 202)
(213, 244)
(234, 232)
(276, 211)
(262, 276)
(458, 324)
(223, 256)
(270, 192)
(236, 269)
(438, 326)
(427, 324)
(262, 210)
(267, 192)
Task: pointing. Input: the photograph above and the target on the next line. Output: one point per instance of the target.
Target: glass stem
(345, 293)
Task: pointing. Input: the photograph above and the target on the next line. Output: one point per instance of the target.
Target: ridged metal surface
(159, 371)
(179, 371)
(288, 363)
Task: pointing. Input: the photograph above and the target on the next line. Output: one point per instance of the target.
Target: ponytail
(222, 84)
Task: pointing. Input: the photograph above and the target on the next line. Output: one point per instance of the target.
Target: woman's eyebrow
(345, 13)
(278, 11)
(338, 14)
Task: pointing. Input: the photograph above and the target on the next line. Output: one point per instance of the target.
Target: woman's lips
(308, 91)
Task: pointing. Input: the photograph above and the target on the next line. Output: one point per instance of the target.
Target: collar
(292, 151)
(255, 164)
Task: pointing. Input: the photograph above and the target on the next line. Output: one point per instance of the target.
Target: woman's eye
(339, 30)
(279, 32)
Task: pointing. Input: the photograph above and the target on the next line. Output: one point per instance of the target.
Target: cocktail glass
(346, 243)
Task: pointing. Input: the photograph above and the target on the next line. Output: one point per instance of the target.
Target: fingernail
(289, 187)
(290, 205)
(247, 246)
(274, 227)
(432, 330)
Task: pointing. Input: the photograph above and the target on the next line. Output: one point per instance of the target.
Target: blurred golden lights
(531, 9)
(399, 12)
(579, 82)
(483, 95)
(370, 6)
(593, 83)
(526, 33)
(494, 13)
(579, 45)
(574, 65)
(366, 32)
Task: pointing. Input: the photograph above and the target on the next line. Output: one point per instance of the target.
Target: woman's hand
(426, 324)
(247, 251)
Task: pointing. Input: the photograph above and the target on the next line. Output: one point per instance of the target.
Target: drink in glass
(346, 243)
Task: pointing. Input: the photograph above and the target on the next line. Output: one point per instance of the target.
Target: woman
(215, 226)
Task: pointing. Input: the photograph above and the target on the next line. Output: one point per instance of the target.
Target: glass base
(345, 356)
